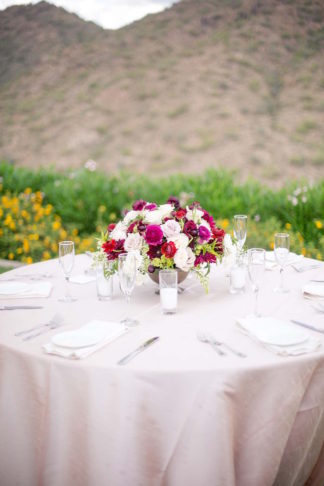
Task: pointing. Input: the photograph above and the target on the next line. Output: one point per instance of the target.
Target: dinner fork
(234, 351)
(56, 321)
(204, 338)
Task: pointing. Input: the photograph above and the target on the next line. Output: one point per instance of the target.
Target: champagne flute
(256, 269)
(240, 228)
(66, 259)
(281, 251)
(127, 270)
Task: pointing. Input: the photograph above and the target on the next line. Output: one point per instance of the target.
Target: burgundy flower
(154, 252)
(131, 227)
(204, 234)
(139, 205)
(109, 246)
(153, 235)
(174, 201)
(196, 205)
(180, 213)
(190, 229)
(168, 249)
(151, 206)
(111, 226)
(141, 227)
(207, 217)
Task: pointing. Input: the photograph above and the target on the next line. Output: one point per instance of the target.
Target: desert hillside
(235, 83)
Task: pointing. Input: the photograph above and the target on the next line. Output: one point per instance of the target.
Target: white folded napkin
(313, 290)
(82, 279)
(84, 341)
(24, 290)
(271, 261)
(279, 337)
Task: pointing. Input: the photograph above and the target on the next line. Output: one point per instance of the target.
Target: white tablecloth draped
(178, 414)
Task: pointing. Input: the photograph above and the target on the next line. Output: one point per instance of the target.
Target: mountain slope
(210, 83)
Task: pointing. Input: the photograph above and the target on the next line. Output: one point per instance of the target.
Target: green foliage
(88, 201)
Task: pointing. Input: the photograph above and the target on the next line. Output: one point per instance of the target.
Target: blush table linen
(177, 414)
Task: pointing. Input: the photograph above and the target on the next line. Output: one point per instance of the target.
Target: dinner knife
(309, 326)
(13, 307)
(138, 350)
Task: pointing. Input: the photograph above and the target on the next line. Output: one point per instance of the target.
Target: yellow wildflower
(318, 224)
(19, 251)
(8, 220)
(1, 231)
(304, 251)
(46, 255)
(112, 217)
(48, 209)
(225, 223)
(319, 256)
(12, 226)
(272, 245)
(1, 212)
(26, 246)
(11, 256)
(56, 225)
(29, 260)
(54, 247)
(102, 209)
(288, 226)
(28, 190)
(25, 214)
(63, 234)
(74, 232)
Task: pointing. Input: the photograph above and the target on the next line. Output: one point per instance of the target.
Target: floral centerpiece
(165, 236)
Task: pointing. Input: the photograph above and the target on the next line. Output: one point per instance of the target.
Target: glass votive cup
(168, 281)
(237, 279)
(104, 281)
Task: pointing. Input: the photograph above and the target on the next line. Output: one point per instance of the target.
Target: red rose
(109, 246)
(168, 249)
(111, 227)
(180, 213)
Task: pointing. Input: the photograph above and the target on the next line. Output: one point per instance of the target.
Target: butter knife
(13, 307)
(308, 326)
(138, 350)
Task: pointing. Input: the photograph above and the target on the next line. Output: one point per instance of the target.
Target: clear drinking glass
(127, 270)
(256, 269)
(66, 259)
(240, 229)
(104, 280)
(281, 251)
(168, 281)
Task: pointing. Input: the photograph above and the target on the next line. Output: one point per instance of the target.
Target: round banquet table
(177, 414)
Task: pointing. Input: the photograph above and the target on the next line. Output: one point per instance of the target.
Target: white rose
(153, 217)
(181, 240)
(156, 216)
(171, 228)
(130, 216)
(133, 242)
(194, 214)
(184, 259)
(119, 231)
(165, 210)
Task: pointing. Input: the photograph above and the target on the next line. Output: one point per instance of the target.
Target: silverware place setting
(219, 346)
(56, 321)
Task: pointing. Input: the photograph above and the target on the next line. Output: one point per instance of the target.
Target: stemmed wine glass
(281, 251)
(127, 270)
(240, 228)
(66, 259)
(256, 269)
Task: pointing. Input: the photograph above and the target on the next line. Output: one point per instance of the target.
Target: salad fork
(56, 321)
(234, 351)
(204, 338)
